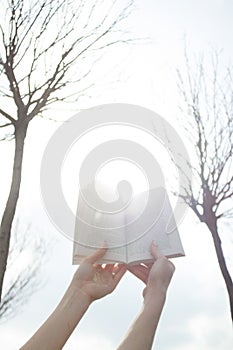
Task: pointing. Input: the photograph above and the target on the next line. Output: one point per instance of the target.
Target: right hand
(156, 276)
(96, 280)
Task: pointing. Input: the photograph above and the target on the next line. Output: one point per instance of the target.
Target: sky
(196, 314)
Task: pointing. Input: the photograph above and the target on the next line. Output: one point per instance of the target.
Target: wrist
(153, 297)
(75, 298)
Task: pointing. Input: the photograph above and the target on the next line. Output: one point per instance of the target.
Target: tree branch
(6, 115)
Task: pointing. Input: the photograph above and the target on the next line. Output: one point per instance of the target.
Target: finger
(149, 265)
(117, 268)
(119, 274)
(98, 267)
(109, 267)
(140, 271)
(156, 253)
(96, 255)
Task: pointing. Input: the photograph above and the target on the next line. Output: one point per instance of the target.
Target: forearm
(142, 332)
(54, 333)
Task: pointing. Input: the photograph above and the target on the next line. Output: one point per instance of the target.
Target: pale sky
(196, 315)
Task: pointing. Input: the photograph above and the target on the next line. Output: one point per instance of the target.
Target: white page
(93, 227)
(148, 220)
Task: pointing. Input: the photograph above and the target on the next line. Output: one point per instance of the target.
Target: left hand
(156, 276)
(96, 280)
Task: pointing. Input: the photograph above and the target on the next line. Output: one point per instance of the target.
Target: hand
(95, 280)
(156, 276)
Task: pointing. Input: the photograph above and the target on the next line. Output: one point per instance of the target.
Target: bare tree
(47, 49)
(26, 257)
(207, 94)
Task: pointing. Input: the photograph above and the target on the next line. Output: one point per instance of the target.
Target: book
(128, 228)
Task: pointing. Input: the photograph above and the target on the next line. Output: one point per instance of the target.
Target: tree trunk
(212, 225)
(9, 212)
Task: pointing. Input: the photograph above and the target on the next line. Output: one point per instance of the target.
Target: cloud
(89, 341)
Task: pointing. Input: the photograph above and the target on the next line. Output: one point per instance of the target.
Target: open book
(127, 228)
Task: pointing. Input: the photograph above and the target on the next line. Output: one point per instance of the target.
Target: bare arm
(157, 277)
(90, 282)
(54, 333)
